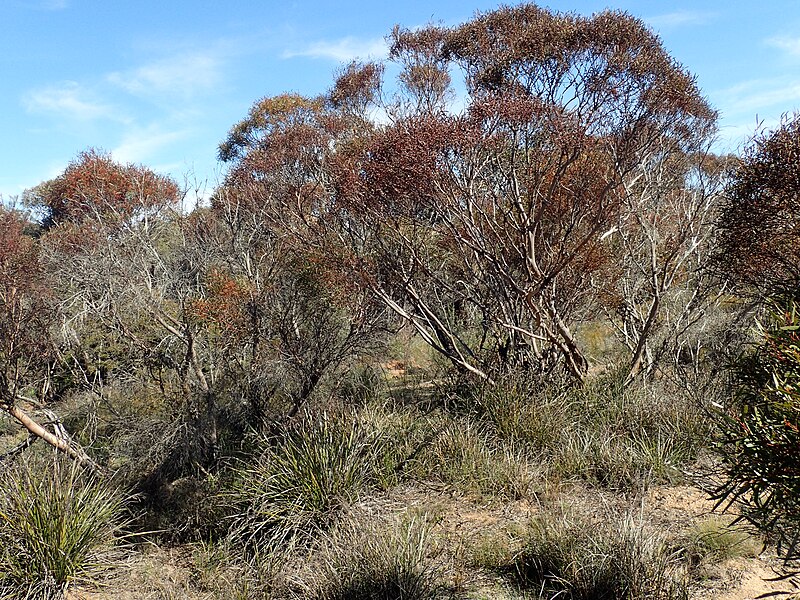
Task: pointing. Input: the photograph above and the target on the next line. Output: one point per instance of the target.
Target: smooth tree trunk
(59, 443)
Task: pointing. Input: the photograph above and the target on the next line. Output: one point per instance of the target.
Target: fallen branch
(62, 444)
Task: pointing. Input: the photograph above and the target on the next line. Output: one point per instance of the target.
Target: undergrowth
(378, 559)
(58, 527)
(619, 437)
(575, 557)
(302, 479)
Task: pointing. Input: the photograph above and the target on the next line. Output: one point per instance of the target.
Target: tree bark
(58, 443)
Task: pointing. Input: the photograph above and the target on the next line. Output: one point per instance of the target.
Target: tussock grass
(301, 480)
(379, 560)
(466, 457)
(221, 570)
(58, 527)
(455, 450)
(405, 434)
(574, 557)
(619, 437)
(716, 539)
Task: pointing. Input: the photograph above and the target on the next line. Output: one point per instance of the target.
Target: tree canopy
(482, 226)
(760, 223)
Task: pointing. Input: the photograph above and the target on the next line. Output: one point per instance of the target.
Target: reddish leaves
(356, 87)
(497, 210)
(24, 310)
(94, 187)
(760, 223)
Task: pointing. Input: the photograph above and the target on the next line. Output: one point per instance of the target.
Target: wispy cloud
(790, 45)
(680, 18)
(68, 100)
(140, 144)
(751, 105)
(343, 50)
(183, 75)
(760, 96)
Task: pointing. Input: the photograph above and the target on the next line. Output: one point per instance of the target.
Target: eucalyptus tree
(479, 218)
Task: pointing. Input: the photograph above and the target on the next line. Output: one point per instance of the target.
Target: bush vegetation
(576, 557)
(501, 305)
(379, 560)
(58, 527)
(760, 427)
(302, 479)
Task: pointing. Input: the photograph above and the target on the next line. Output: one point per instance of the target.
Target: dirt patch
(746, 579)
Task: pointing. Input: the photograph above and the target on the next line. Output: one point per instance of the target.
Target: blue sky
(160, 83)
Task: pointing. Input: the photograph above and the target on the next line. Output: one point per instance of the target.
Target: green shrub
(761, 429)
(304, 477)
(58, 526)
(576, 558)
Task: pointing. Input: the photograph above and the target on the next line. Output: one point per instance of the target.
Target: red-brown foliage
(760, 222)
(93, 187)
(25, 341)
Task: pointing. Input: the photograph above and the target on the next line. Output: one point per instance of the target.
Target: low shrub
(303, 477)
(617, 436)
(577, 558)
(378, 560)
(716, 539)
(58, 527)
(761, 429)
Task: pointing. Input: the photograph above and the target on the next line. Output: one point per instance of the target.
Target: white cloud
(182, 75)
(139, 144)
(70, 101)
(758, 96)
(791, 45)
(680, 18)
(343, 50)
(752, 105)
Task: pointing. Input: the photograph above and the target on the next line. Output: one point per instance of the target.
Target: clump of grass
(58, 527)
(221, 569)
(303, 478)
(525, 414)
(494, 551)
(717, 539)
(379, 561)
(577, 558)
(405, 434)
(361, 385)
(617, 436)
(464, 457)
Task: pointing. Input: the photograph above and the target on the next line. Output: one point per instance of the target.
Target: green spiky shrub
(58, 526)
(301, 480)
(761, 429)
